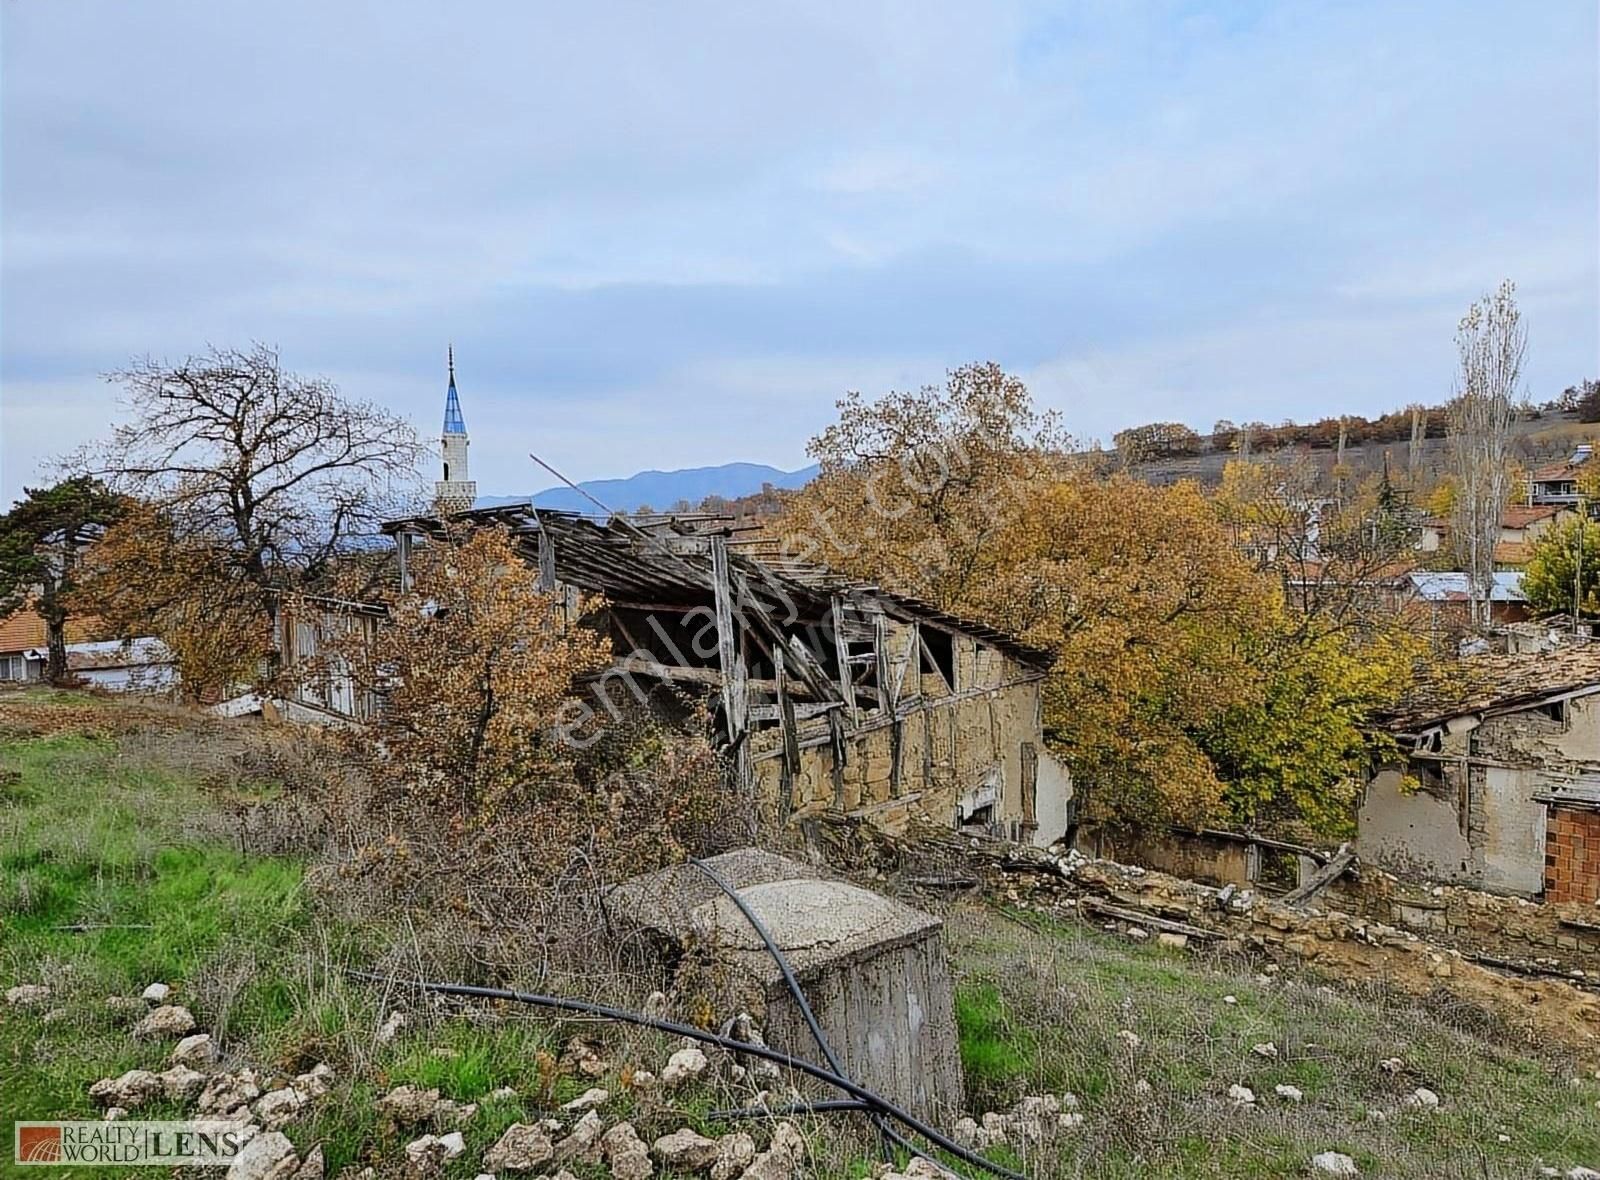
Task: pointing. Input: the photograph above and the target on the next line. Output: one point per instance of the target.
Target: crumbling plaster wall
(1416, 833)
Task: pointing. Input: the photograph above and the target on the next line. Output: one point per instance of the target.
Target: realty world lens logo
(197, 1143)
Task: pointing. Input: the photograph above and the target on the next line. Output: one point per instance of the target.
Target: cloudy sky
(665, 235)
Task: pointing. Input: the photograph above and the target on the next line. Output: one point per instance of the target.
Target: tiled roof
(1520, 516)
(25, 630)
(1512, 552)
(1498, 683)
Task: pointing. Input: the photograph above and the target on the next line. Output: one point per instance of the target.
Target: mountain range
(662, 490)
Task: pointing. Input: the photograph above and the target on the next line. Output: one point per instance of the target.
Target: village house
(829, 694)
(1499, 784)
(134, 665)
(1520, 526)
(1445, 598)
(1557, 483)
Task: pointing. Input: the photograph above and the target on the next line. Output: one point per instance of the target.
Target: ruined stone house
(1500, 784)
(829, 694)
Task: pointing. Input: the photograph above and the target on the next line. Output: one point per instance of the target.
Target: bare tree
(278, 472)
(1492, 343)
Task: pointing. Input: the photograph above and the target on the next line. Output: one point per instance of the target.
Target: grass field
(118, 868)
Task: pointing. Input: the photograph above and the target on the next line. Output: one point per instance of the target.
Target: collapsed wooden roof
(1491, 684)
(663, 561)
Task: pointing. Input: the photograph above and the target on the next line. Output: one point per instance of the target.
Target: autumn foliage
(1187, 687)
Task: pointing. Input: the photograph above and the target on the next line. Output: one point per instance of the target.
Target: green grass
(1073, 989)
(119, 834)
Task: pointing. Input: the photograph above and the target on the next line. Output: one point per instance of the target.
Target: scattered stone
(583, 1143)
(226, 1093)
(277, 1108)
(1128, 1037)
(1421, 1098)
(683, 1065)
(1170, 939)
(169, 1020)
(1502, 1138)
(521, 1149)
(1138, 933)
(115, 1114)
(1241, 1095)
(430, 1152)
(1334, 1163)
(1230, 1000)
(390, 1028)
(407, 1106)
(626, 1153)
(156, 993)
(588, 1100)
(133, 1089)
(502, 1094)
(783, 1157)
(268, 1156)
(180, 1083)
(1582, 1173)
(735, 1152)
(197, 1051)
(315, 1082)
(642, 1080)
(1291, 1093)
(28, 995)
(582, 1057)
(686, 1150)
(1264, 1049)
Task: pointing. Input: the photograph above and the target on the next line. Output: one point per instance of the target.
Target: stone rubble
(28, 995)
(685, 1150)
(169, 1020)
(155, 994)
(626, 1153)
(588, 1100)
(1334, 1163)
(522, 1148)
(197, 1051)
(683, 1065)
(128, 1092)
(736, 1151)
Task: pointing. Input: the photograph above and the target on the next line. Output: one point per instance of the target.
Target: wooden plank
(1322, 878)
(836, 736)
(1096, 906)
(547, 562)
(787, 727)
(841, 650)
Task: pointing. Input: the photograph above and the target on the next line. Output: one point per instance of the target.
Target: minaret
(455, 492)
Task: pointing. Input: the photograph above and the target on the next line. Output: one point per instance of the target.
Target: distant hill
(663, 490)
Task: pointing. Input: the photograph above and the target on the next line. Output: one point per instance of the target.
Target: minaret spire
(456, 491)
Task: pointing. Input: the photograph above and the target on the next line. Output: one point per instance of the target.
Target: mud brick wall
(1572, 855)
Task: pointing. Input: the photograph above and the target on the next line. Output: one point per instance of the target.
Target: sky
(670, 235)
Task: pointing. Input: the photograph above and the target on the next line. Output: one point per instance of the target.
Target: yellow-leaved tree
(1187, 688)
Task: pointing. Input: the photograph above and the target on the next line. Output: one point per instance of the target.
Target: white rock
(1502, 1138)
(1241, 1095)
(1171, 939)
(1421, 1098)
(1230, 1000)
(428, 1152)
(583, 1143)
(408, 1105)
(226, 1093)
(1391, 1065)
(130, 1091)
(180, 1083)
(115, 1114)
(156, 993)
(783, 1157)
(28, 995)
(685, 1150)
(1582, 1173)
(521, 1149)
(170, 1020)
(735, 1152)
(683, 1065)
(588, 1100)
(626, 1153)
(315, 1082)
(390, 1028)
(1069, 1120)
(197, 1051)
(642, 1080)
(1334, 1163)
(313, 1167)
(655, 1005)
(1291, 1093)
(502, 1094)
(1264, 1049)
(277, 1108)
(268, 1156)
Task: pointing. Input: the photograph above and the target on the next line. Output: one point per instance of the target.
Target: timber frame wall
(829, 694)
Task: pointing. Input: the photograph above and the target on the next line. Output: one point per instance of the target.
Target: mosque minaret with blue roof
(456, 491)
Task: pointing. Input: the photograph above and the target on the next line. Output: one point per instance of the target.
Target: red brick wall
(1572, 855)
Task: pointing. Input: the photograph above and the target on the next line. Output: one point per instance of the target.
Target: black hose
(889, 1138)
(624, 1016)
(825, 1106)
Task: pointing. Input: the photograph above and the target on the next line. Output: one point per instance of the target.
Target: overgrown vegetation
(140, 844)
